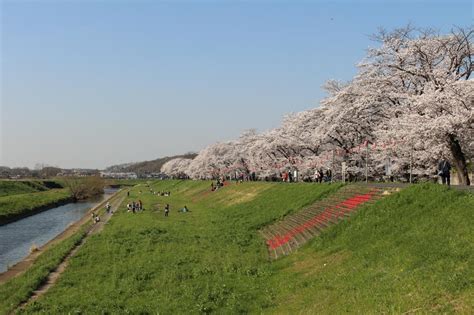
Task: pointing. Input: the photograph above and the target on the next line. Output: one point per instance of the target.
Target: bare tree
(84, 187)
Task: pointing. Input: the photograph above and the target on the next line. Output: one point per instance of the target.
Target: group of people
(246, 177)
(167, 209)
(95, 218)
(219, 183)
(320, 176)
(160, 193)
(135, 206)
(288, 176)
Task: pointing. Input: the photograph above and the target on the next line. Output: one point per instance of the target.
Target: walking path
(405, 185)
(464, 188)
(54, 275)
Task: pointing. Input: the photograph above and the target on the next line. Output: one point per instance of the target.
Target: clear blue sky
(90, 84)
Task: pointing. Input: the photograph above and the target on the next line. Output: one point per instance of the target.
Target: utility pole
(367, 162)
(332, 166)
(389, 165)
(344, 167)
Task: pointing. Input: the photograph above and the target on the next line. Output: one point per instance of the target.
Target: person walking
(167, 210)
(444, 171)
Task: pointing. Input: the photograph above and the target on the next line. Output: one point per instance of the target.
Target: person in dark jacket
(444, 171)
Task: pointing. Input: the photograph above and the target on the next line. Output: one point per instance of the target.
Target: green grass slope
(413, 251)
(409, 252)
(18, 205)
(8, 188)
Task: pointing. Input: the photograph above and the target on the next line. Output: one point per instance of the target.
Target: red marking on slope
(322, 218)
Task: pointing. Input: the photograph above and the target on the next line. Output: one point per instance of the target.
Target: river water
(18, 237)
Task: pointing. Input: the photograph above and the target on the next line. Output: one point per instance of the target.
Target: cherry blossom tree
(411, 103)
(176, 167)
(425, 77)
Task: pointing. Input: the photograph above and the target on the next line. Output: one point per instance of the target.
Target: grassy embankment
(20, 198)
(409, 252)
(412, 252)
(9, 187)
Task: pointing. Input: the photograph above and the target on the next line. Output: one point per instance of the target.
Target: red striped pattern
(323, 218)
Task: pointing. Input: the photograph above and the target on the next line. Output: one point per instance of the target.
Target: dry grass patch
(241, 196)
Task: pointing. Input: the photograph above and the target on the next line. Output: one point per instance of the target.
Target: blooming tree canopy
(411, 103)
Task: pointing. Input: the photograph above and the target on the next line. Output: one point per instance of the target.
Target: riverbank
(20, 282)
(19, 206)
(15, 187)
(72, 229)
(55, 274)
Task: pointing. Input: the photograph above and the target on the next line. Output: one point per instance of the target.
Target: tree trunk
(459, 159)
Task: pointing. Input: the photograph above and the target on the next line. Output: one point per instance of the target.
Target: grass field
(17, 205)
(409, 252)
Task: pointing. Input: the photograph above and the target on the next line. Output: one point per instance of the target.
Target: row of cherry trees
(411, 104)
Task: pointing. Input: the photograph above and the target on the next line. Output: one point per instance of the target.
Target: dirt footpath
(54, 275)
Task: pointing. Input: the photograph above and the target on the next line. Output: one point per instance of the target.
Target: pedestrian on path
(95, 218)
(167, 210)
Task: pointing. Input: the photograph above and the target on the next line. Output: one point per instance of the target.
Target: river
(18, 237)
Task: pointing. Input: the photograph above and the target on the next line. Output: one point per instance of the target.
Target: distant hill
(147, 167)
